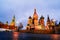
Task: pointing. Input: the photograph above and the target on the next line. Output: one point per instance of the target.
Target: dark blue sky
(22, 9)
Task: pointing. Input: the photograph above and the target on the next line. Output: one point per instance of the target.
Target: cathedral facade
(34, 23)
(38, 24)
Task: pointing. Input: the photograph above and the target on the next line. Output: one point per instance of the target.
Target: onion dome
(41, 17)
(30, 17)
(48, 19)
(35, 16)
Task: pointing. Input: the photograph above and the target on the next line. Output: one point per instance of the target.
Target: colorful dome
(41, 17)
(35, 16)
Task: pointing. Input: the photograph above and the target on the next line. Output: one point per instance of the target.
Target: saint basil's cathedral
(38, 24)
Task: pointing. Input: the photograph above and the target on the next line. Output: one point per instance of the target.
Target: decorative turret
(30, 20)
(52, 22)
(48, 19)
(13, 21)
(41, 17)
(35, 16)
(48, 22)
(41, 20)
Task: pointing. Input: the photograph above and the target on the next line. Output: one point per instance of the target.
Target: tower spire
(13, 21)
(35, 16)
(34, 10)
(48, 19)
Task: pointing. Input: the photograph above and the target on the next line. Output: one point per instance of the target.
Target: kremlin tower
(13, 21)
(12, 25)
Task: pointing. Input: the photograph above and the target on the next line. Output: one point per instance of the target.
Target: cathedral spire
(48, 19)
(48, 22)
(35, 16)
(35, 10)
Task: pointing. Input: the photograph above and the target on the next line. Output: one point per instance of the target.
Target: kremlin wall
(9, 26)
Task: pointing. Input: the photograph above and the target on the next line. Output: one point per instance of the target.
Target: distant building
(13, 21)
(11, 26)
(6, 22)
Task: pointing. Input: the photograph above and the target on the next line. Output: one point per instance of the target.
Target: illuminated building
(35, 18)
(52, 22)
(48, 22)
(28, 27)
(13, 21)
(12, 24)
(33, 23)
(30, 24)
(7, 25)
(41, 22)
(30, 20)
